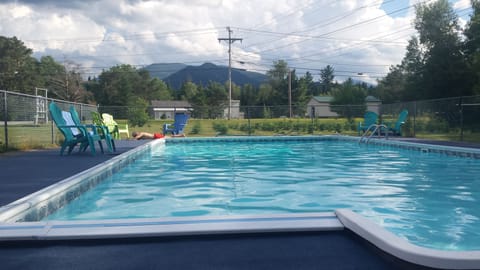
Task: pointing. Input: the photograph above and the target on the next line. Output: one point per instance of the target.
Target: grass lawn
(28, 136)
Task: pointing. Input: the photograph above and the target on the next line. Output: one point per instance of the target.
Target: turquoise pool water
(430, 199)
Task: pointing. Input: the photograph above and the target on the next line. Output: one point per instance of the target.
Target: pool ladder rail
(373, 128)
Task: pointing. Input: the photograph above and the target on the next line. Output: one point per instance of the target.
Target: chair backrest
(97, 119)
(60, 119)
(180, 122)
(402, 117)
(108, 121)
(75, 117)
(370, 118)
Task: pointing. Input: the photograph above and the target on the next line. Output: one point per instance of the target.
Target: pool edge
(173, 226)
(401, 248)
(364, 228)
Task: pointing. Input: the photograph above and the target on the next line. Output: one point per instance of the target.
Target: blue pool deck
(23, 173)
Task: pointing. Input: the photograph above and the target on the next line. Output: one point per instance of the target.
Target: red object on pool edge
(158, 136)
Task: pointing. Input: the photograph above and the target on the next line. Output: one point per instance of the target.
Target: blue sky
(390, 6)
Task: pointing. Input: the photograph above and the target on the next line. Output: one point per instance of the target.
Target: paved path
(25, 172)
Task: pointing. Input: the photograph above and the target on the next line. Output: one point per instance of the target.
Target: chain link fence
(455, 119)
(25, 120)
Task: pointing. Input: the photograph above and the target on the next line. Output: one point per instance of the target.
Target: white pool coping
(172, 226)
(403, 249)
(181, 226)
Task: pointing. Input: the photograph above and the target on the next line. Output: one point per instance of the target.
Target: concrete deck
(22, 173)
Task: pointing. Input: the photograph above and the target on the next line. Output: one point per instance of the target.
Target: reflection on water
(430, 199)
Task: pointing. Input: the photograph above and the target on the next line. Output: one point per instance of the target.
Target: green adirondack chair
(101, 130)
(369, 119)
(73, 134)
(396, 129)
(114, 128)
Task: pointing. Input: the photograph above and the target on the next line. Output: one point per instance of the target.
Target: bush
(220, 128)
(196, 128)
(137, 112)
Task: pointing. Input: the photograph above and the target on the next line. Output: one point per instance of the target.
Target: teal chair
(396, 129)
(178, 125)
(102, 131)
(369, 119)
(73, 134)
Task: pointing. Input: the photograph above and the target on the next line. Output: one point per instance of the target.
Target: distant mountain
(162, 71)
(359, 82)
(202, 75)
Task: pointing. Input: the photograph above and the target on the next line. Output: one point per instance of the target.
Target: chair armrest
(82, 128)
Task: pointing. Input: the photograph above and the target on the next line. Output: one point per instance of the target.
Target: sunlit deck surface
(22, 173)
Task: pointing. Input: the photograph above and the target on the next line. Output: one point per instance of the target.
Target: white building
(166, 109)
(320, 106)
(235, 110)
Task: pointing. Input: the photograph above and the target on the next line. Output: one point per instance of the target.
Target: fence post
(248, 117)
(460, 103)
(52, 128)
(5, 115)
(414, 118)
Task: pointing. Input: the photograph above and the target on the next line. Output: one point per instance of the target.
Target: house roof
(328, 99)
(323, 98)
(372, 99)
(171, 103)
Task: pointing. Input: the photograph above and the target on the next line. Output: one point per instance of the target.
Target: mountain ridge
(176, 74)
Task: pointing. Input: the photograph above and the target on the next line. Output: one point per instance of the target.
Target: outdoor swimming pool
(431, 199)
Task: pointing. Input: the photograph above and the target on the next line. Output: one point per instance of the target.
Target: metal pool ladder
(373, 128)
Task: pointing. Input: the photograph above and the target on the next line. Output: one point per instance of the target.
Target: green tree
(157, 90)
(307, 83)
(216, 99)
(472, 46)
(137, 112)
(208, 102)
(300, 88)
(348, 100)
(64, 81)
(412, 68)
(188, 91)
(248, 98)
(278, 80)
(390, 88)
(248, 95)
(326, 79)
(443, 73)
(265, 95)
(18, 69)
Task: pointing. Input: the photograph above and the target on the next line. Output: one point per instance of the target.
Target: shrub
(137, 112)
(220, 128)
(196, 128)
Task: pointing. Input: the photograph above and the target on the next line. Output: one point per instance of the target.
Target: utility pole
(230, 41)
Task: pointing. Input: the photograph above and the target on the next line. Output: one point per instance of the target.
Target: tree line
(441, 60)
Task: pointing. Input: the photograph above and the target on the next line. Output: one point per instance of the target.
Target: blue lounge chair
(396, 129)
(369, 119)
(74, 134)
(178, 125)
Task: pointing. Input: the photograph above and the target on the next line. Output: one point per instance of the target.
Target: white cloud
(18, 12)
(461, 4)
(306, 33)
